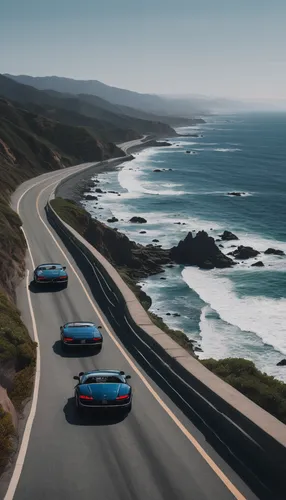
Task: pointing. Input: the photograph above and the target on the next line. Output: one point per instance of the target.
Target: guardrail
(249, 438)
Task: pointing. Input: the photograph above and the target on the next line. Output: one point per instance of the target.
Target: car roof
(50, 264)
(79, 324)
(102, 373)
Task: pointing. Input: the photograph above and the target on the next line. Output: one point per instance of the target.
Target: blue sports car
(81, 333)
(51, 274)
(103, 389)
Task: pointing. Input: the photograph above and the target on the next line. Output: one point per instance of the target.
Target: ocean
(238, 312)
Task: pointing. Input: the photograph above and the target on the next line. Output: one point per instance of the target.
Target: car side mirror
(81, 374)
(76, 377)
(127, 377)
(64, 268)
(99, 326)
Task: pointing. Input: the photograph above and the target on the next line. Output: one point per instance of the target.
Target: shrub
(264, 390)
(6, 434)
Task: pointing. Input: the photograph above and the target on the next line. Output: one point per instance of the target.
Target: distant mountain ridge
(149, 103)
(103, 118)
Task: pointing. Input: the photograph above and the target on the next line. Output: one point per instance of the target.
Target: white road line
(28, 427)
(25, 441)
(230, 486)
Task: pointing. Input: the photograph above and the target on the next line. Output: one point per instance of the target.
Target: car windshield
(49, 267)
(78, 325)
(103, 379)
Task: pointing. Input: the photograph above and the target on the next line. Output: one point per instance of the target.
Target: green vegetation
(17, 361)
(17, 351)
(6, 434)
(264, 390)
(72, 214)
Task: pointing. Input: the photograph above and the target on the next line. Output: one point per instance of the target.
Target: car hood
(104, 391)
(51, 273)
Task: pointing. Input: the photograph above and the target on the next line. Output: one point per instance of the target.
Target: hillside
(31, 144)
(149, 103)
(103, 118)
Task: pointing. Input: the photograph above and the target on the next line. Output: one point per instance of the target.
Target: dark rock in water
(259, 263)
(282, 362)
(201, 251)
(142, 232)
(170, 266)
(163, 278)
(228, 236)
(177, 223)
(168, 314)
(155, 241)
(113, 219)
(90, 197)
(157, 170)
(221, 246)
(100, 208)
(198, 349)
(188, 152)
(138, 220)
(273, 251)
(96, 181)
(176, 315)
(244, 252)
(170, 170)
(113, 192)
(235, 193)
(98, 190)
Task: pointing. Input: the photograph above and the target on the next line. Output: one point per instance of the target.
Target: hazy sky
(232, 48)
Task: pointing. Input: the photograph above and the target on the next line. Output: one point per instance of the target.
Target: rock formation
(201, 251)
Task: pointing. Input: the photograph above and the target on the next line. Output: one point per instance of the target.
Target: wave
(227, 150)
(265, 317)
(131, 181)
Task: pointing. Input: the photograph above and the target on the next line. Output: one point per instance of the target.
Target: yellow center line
(230, 486)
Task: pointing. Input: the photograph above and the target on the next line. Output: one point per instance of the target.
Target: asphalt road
(146, 456)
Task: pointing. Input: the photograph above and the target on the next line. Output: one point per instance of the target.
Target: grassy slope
(264, 390)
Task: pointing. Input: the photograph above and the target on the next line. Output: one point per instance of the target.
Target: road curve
(145, 456)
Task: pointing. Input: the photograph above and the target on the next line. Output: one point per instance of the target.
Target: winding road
(156, 453)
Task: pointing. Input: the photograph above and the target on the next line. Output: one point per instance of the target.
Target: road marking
(28, 427)
(26, 436)
(230, 486)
